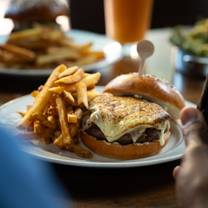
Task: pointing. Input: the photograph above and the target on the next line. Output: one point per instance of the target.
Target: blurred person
(24, 181)
(192, 175)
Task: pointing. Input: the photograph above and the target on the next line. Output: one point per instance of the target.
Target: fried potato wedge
(76, 77)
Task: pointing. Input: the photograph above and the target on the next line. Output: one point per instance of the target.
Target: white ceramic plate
(172, 151)
(112, 50)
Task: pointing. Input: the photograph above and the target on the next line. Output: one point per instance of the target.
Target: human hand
(192, 175)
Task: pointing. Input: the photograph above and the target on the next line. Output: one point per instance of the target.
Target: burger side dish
(25, 13)
(45, 47)
(194, 40)
(131, 119)
(55, 115)
(124, 124)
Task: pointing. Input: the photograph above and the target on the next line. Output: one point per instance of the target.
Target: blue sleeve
(24, 181)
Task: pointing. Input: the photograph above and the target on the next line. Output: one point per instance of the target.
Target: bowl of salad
(190, 52)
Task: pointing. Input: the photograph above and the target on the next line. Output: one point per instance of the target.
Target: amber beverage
(127, 20)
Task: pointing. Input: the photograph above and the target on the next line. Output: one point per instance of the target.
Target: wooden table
(145, 187)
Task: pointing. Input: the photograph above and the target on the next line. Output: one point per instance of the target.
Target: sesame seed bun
(149, 87)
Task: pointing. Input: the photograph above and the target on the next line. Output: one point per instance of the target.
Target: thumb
(194, 126)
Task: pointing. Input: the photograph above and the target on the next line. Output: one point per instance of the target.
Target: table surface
(145, 187)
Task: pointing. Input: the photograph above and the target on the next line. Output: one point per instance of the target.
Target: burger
(25, 13)
(131, 119)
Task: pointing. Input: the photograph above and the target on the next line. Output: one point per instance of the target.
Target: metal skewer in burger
(132, 118)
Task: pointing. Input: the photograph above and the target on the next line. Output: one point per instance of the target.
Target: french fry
(97, 55)
(44, 47)
(82, 48)
(37, 127)
(53, 35)
(44, 121)
(25, 34)
(92, 94)
(23, 53)
(73, 148)
(8, 58)
(59, 141)
(34, 44)
(82, 94)
(35, 93)
(56, 57)
(69, 87)
(72, 118)
(57, 89)
(78, 112)
(85, 60)
(80, 151)
(43, 97)
(63, 50)
(91, 80)
(52, 120)
(74, 131)
(51, 110)
(66, 138)
(68, 71)
(85, 47)
(57, 111)
(69, 97)
(76, 77)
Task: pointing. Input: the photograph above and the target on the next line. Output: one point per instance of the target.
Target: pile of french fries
(45, 47)
(58, 107)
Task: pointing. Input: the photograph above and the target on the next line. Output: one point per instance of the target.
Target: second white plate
(111, 48)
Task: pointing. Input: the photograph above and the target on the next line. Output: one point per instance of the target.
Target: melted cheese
(109, 130)
(136, 134)
(166, 126)
(115, 116)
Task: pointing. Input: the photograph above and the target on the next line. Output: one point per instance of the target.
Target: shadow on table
(94, 182)
(20, 84)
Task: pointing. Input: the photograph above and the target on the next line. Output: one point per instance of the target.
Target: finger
(176, 171)
(189, 118)
(189, 114)
(194, 126)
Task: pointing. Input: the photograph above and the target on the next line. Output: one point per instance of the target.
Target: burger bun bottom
(122, 152)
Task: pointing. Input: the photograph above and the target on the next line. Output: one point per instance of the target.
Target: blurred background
(165, 14)
(90, 16)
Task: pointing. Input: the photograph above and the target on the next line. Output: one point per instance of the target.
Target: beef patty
(148, 135)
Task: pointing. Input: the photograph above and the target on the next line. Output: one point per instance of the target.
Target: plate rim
(117, 164)
(96, 164)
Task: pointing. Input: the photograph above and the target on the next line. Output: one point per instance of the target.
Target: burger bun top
(150, 88)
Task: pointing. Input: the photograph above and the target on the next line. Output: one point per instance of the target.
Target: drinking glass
(127, 20)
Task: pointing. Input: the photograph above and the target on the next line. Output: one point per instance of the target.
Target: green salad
(193, 41)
